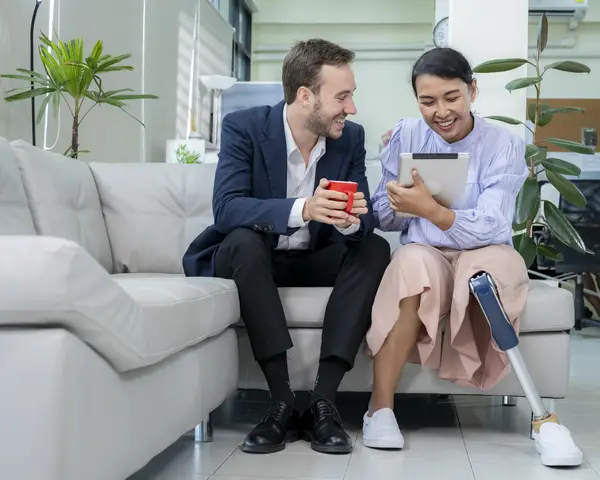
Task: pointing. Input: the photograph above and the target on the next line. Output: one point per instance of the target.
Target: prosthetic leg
(563, 451)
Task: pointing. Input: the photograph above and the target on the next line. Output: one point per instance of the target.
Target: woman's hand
(416, 200)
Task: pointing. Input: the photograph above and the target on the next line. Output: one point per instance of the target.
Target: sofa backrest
(15, 216)
(153, 211)
(63, 199)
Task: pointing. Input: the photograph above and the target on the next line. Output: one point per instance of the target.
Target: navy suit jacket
(250, 187)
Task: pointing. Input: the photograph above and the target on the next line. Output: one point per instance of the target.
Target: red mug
(349, 188)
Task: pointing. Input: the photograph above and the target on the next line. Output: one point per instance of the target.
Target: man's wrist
(296, 219)
(305, 213)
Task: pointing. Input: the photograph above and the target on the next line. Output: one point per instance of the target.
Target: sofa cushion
(132, 321)
(15, 216)
(547, 309)
(153, 211)
(63, 199)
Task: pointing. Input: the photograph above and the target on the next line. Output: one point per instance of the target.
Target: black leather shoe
(278, 426)
(322, 427)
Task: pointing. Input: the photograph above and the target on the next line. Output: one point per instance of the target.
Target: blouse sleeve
(490, 222)
(385, 218)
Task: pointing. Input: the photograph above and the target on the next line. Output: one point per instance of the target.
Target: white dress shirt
(301, 185)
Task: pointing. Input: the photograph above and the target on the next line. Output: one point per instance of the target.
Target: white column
(487, 30)
(441, 9)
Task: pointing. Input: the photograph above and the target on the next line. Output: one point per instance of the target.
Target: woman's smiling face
(445, 105)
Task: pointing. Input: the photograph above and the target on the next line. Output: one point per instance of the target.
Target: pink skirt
(463, 352)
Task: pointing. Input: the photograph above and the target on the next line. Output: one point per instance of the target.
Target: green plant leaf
(568, 66)
(542, 37)
(554, 111)
(562, 229)
(519, 226)
(526, 247)
(509, 120)
(28, 94)
(571, 146)
(549, 252)
(548, 115)
(531, 110)
(527, 200)
(563, 167)
(500, 65)
(531, 150)
(567, 189)
(524, 82)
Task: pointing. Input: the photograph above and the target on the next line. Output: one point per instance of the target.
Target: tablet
(444, 174)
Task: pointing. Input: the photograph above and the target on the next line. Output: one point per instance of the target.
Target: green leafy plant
(555, 170)
(183, 155)
(76, 79)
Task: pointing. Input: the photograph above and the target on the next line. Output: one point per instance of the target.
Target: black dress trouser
(353, 269)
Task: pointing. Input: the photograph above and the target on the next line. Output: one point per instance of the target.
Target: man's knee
(242, 247)
(244, 238)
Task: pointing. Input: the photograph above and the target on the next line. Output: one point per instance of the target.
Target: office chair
(586, 220)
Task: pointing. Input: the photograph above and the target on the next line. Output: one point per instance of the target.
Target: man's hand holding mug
(335, 203)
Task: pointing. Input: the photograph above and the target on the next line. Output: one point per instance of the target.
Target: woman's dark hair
(444, 63)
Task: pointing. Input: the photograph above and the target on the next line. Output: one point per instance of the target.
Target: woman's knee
(409, 257)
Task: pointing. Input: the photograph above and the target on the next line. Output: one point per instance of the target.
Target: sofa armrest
(48, 281)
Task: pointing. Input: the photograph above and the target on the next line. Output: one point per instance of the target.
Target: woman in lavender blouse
(443, 246)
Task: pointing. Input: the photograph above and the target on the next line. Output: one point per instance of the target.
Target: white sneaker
(381, 430)
(556, 446)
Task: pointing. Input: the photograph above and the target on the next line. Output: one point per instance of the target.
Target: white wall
(15, 18)
(388, 36)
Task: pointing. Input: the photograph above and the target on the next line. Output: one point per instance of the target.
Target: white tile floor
(458, 438)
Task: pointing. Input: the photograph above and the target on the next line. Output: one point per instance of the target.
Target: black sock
(329, 376)
(278, 378)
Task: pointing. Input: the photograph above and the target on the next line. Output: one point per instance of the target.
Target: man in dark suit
(277, 225)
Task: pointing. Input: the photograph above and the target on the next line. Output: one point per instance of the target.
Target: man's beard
(316, 123)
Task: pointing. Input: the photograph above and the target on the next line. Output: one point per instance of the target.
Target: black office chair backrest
(588, 216)
(586, 221)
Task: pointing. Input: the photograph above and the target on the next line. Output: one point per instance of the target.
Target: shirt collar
(289, 138)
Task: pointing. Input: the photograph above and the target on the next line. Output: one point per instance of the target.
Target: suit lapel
(274, 152)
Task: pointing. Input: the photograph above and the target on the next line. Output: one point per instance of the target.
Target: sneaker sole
(562, 461)
(383, 443)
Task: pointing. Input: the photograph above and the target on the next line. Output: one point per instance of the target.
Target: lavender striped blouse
(496, 173)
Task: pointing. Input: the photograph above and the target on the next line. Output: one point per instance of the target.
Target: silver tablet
(444, 174)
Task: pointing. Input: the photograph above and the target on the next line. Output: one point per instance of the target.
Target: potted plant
(529, 199)
(186, 156)
(71, 77)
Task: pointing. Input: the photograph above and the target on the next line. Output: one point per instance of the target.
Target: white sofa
(110, 354)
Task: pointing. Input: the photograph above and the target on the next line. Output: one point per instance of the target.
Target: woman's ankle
(376, 405)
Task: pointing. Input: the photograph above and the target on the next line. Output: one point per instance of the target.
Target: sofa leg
(509, 401)
(203, 432)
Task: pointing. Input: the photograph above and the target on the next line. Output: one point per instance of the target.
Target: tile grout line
(462, 435)
(223, 462)
(350, 456)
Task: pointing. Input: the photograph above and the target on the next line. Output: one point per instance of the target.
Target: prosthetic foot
(552, 440)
